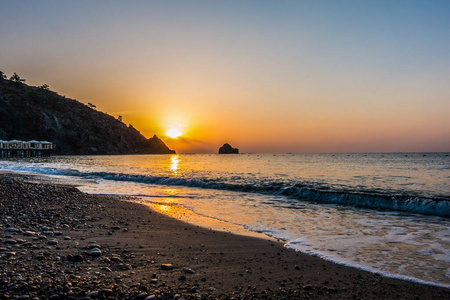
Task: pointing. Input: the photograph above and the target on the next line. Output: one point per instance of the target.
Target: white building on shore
(33, 148)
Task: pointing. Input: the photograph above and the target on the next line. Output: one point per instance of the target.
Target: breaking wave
(300, 191)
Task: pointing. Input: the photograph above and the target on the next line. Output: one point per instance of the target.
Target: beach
(59, 243)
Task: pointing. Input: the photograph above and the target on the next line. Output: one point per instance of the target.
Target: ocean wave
(305, 192)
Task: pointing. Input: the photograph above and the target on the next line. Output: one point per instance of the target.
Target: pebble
(92, 294)
(8, 254)
(53, 242)
(125, 266)
(106, 269)
(78, 258)
(116, 259)
(95, 252)
(106, 291)
(92, 246)
(188, 271)
(142, 296)
(167, 267)
(12, 229)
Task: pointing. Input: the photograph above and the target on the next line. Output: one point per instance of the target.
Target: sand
(47, 232)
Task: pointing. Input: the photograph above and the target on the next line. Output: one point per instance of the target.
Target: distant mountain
(37, 113)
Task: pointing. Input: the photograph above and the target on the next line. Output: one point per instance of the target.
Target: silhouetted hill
(36, 113)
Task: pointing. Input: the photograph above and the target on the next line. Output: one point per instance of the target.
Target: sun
(173, 133)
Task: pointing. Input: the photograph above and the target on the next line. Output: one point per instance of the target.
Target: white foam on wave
(298, 246)
(298, 192)
(334, 252)
(275, 233)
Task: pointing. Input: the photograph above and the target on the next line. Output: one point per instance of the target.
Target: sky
(264, 76)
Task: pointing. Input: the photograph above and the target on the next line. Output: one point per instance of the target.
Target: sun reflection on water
(164, 208)
(171, 191)
(174, 161)
(168, 205)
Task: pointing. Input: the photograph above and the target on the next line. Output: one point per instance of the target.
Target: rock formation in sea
(227, 149)
(37, 113)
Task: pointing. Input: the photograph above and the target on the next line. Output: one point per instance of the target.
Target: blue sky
(284, 76)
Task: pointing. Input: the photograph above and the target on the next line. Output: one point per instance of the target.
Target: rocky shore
(59, 243)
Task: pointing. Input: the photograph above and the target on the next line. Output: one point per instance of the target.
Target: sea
(388, 213)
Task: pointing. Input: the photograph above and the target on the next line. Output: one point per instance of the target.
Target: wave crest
(304, 192)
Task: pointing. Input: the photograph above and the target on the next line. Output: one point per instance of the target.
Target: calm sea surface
(388, 213)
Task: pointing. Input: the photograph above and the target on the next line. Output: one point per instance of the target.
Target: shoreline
(187, 216)
(145, 253)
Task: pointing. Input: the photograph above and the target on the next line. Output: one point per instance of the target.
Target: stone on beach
(95, 252)
(93, 245)
(75, 258)
(188, 271)
(53, 242)
(167, 267)
(106, 269)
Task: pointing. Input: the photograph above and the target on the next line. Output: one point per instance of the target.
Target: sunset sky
(264, 76)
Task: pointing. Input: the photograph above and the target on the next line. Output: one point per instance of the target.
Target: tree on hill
(16, 78)
(92, 105)
(2, 75)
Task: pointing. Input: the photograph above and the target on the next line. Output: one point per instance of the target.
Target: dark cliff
(36, 113)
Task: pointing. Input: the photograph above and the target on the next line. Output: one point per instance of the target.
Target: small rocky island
(227, 149)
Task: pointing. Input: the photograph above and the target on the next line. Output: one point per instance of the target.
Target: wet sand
(47, 233)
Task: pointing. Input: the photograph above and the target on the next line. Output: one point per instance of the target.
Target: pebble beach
(59, 243)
